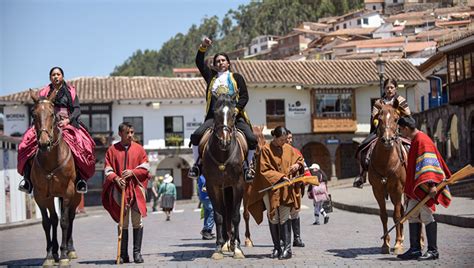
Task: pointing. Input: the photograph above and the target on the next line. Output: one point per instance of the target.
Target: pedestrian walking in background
(167, 192)
(206, 231)
(155, 185)
(126, 171)
(319, 193)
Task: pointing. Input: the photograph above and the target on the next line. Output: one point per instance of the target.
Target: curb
(29, 222)
(442, 218)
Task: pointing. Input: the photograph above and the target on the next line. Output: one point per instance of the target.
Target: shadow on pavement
(210, 244)
(354, 252)
(99, 262)
(23, 262)
(189, 255)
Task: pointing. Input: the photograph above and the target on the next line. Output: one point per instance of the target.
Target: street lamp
(380, 71)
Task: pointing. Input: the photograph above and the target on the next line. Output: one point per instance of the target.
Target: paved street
(349, 239)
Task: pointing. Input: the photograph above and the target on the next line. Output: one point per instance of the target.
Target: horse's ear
(34, 95)
(53, 95)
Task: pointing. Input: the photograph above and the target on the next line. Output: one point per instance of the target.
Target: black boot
(249, 172)
(415, 248)
(285, 234)
(275, 232)
(81, 185)
(432, 235)
(359, 181)
(137, 245)
(124, 247)
(194, 172)
(26, 186)
(295, 224)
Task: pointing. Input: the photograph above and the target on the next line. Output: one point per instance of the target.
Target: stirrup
(23, 188)
(81, 186)
(249, 175)
(194, 172)
(358, 182)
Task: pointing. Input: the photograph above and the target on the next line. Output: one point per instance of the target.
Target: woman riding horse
(390, 96)
(220, 80)
(67, 113)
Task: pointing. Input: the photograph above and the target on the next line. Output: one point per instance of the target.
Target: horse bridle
(51, 131)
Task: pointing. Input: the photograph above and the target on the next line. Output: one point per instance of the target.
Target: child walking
(319, 193)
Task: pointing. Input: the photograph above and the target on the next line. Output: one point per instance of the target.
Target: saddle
(366, 152)
(207, 135)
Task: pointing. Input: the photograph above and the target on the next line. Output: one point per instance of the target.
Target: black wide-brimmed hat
(407, 121)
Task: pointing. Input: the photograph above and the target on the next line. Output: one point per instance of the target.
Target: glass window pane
(177, 124)
(333, 104)
(452, 70)
(459, 69)
(85, 120)
(100, 123)
(467, 65)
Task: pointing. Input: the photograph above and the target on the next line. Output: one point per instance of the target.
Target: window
(333, 103)
(358, 21)
(365, 20)
(96, 117)
(374, 7)
(337, 27)
(174, 131)
(137, 123)
(395, 1)
(452, 69)
(459, 69)
(275, 113)
(467, 65)
(344, 26)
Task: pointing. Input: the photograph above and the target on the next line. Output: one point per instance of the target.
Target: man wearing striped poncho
(425, 170)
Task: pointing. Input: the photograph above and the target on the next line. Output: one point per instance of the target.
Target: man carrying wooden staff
(126, 172)
(425, 170)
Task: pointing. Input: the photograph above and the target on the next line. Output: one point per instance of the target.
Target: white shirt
(221, 80)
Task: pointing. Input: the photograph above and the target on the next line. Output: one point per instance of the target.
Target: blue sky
(88, 37)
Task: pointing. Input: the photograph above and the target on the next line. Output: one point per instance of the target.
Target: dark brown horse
(222, 161)
(53, 174)
(387, 172)
(258, 132)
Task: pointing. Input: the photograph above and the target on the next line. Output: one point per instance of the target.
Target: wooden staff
(122, 208)
(461, 174)
(313, 180)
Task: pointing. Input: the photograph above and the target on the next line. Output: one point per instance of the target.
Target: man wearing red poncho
(425, 170)
(127, 169)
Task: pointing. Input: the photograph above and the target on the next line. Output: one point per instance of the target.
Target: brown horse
(258, 132)
(53, 174)
(387, 172)
(222, 161)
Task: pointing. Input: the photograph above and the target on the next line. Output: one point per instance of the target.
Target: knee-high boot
(27, 186)
(137, 245)
(275, 232)
(432, 235)
(285, 234)
(124, 247)
(415, 247)
(297, 241)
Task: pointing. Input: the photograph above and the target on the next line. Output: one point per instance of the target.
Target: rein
(222, 165)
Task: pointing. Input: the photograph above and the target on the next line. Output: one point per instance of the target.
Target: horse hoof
(398, 250)
(238, 254)
(72, 255)
(248, 243)
(385, 250)
(217, 256)
(226, 247)
(48, 263)
(64, 262)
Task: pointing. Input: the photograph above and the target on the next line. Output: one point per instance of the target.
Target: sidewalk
(344, 196)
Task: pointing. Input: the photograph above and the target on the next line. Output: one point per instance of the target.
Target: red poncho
(136, 185)
(426, 165)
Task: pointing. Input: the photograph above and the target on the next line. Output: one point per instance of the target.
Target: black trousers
(240, 124)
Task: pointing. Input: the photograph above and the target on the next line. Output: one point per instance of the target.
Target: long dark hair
(390, 81)
(279, 131)
(54, 68)
(221, 54)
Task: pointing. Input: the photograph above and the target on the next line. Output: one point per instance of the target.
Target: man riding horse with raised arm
(220, 80)
(390, 96)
